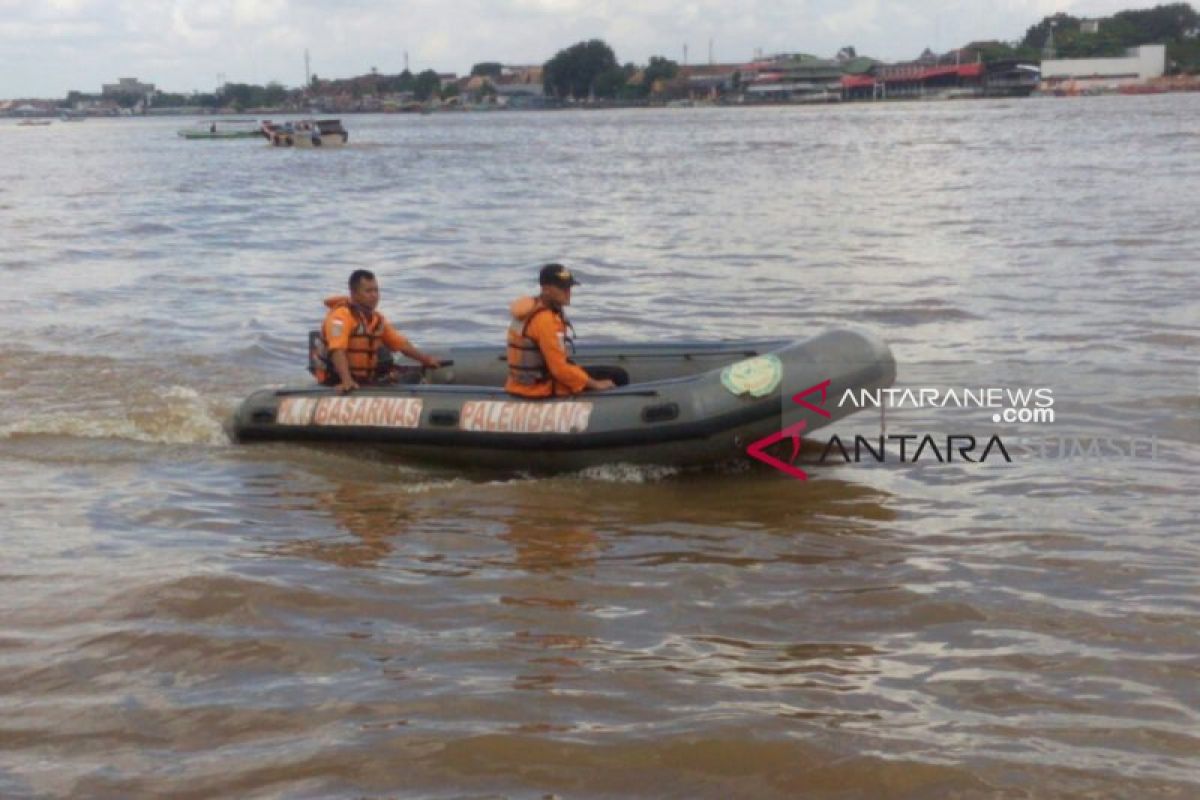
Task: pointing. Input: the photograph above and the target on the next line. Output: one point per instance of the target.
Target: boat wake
(172, 415)
(602, 473)
(627, 473)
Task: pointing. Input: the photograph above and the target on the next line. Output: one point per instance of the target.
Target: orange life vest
(362, 351)
(527, 367)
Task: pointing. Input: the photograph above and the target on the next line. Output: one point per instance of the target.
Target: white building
(1138, 65)
(128, 86)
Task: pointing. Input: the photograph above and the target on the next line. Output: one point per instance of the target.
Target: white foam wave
(436, 484)
(605, 473)
(426, 486)
(173, 415)
(627, 473)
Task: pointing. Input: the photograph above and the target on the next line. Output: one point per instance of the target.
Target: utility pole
(710, 56)
(406, 61)
(1048, 49)
(685, 54)
(307, 72)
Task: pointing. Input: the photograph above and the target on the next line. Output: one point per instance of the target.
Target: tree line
(590, 69)
(423, 86)
(1176, 25)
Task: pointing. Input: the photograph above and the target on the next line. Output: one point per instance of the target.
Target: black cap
(557, 275)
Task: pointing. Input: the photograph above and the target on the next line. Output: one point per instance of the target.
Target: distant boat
(306, 133)
(31, 123)
(223, 129)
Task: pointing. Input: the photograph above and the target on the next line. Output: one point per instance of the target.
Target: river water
(186, 617)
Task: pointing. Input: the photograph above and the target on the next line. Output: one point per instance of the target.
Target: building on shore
(127, 86)
(518, 86)
(708, 82)
(520, 74)
(792, 78)
(947, 76)
(520, 95)
(1139, 65)
(28, 108)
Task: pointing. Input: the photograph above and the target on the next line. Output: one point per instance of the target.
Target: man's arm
(337, 338)
(397, 343)
(341, 365)
(575, 378)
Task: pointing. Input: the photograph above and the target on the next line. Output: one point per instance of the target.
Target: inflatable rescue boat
(675, 404)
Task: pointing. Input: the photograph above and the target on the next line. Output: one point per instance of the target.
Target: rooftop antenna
(710, 56)
(685, 54)
(406, 61)
(307, 72)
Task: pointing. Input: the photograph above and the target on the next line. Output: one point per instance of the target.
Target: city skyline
(188, 45)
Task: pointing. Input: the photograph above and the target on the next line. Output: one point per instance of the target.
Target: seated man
(353, 332)
(538, 365)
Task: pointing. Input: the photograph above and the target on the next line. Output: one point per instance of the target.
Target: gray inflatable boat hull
(685, 404)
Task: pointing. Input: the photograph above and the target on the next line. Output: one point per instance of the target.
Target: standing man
(538, 365)
(352, 333)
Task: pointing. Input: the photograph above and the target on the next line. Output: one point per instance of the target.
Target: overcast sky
(50, 46)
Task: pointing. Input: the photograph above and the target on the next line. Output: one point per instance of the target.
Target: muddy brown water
(190, 618)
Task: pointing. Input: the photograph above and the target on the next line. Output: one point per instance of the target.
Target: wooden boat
(223, 129)
(306, 133)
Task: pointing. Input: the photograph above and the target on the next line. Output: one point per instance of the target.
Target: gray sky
(50, 46)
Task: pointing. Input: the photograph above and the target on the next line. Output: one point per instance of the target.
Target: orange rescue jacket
(347, 328)
(538, 365)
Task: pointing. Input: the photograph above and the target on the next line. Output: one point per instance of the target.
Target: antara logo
(964, 445)
(756, 449)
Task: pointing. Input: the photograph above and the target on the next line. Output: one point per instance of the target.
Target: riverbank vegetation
(590, 70)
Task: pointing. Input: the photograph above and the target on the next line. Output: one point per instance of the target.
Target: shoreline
(1138, 90)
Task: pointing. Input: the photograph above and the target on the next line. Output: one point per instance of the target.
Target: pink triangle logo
(756, 449)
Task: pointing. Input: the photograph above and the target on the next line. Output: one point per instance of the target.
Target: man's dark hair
(360, 275)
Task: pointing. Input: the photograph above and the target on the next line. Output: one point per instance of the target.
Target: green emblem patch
(757, 376)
